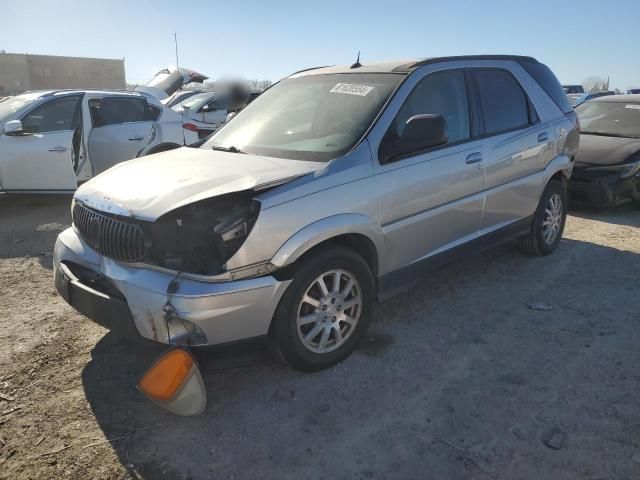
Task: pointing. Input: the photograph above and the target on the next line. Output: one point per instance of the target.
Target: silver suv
(336, 187)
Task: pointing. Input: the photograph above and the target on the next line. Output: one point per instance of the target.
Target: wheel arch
(357, 232)
(163, 147)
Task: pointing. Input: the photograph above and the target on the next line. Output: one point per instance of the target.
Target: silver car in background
(336, 187)
(51, 140)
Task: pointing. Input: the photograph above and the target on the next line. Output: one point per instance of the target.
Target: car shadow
(444, 360)
(628, 215)
(29, 225)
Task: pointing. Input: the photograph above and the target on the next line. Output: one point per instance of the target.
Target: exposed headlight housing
(201, 237)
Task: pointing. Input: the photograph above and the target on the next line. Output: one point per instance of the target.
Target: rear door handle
(136, 139)
(473, 158)
(58, 148)
(543, 137)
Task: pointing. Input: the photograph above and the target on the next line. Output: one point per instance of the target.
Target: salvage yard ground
(458, 378)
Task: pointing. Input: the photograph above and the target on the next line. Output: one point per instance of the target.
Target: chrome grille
(109, 236)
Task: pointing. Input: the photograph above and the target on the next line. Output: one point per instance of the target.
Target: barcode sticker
(635, 106)
(351, 89)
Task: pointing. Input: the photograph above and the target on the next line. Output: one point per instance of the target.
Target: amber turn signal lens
(163, 380)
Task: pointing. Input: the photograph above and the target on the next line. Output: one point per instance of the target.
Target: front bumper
(602, 190)
(138, 301)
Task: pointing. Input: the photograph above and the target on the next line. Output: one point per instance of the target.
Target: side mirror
(205, 108)
(420, 133)
(14, 127)
(230, 116)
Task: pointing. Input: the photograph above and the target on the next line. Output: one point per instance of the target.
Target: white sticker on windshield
(633, 106)
(351, 89)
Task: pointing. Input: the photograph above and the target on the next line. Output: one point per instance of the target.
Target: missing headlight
(201, 237)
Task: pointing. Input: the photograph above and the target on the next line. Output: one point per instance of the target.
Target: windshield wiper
(230, 149)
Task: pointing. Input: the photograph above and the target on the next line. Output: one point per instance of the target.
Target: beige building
(21, 72)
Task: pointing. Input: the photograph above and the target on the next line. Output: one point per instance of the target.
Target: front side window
(505, 106)
(115, 111)
(313, 117)
(440, 93)
(53, 116)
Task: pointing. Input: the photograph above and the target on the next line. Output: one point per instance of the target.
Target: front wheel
(548, 221)
(325, 311)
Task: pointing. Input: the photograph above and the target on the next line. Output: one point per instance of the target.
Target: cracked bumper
(134, 300)
(602, 191)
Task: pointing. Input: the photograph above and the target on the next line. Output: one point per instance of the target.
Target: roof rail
(428, 61)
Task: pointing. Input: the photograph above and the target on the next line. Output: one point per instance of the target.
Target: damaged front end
(194, 239)
(192, 242)
(200, 238)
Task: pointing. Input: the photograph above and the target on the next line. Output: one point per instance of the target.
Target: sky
(271, 39)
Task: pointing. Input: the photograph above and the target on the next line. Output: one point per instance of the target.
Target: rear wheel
(548, 221)
(325, 311)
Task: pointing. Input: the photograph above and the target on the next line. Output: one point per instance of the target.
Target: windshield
(615, 119)
(315, 117)
(193, 101)
(12, 104)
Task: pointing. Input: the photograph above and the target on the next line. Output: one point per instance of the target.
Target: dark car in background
(573, 89)
(633, 91)
(607, 168)
(580, 99)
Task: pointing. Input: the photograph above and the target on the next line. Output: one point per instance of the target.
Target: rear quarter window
(505, 106)
(549, 83)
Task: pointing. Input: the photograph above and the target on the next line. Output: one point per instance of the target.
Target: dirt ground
(459, 378)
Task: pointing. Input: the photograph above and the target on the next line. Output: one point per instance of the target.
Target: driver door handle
(136, 138)
(473, 158)
(58, 148)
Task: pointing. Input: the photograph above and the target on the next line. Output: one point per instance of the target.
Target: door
(433, 200)
(42, 158)
(517, 148)
(121, 129)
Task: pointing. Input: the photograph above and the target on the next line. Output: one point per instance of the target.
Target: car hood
(151, 186)
(169, 80)
(596, 150)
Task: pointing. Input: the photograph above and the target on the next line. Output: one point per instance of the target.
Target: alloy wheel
(552, 220)
(329, 311)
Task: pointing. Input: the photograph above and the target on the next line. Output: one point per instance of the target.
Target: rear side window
(53, 116)
(153, 113)
(505, 106)
(549, 83)
(115, 111)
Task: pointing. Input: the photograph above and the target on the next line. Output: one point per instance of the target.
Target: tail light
(573, 117)
(190, 126)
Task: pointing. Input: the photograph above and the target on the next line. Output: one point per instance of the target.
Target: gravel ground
(459, 378)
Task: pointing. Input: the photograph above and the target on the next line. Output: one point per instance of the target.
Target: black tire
(534, 242)
(162, 148)
(284, 335)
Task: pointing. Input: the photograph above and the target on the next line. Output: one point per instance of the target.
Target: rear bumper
(135, 301)
(602, 191)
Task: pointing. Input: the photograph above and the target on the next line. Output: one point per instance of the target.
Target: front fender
(325, 229)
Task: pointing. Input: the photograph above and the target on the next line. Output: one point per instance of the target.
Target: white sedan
(51, 140)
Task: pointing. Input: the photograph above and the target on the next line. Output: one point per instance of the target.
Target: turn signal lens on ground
(174, 383)
(166, 376)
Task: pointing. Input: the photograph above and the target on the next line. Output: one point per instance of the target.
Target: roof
(633, 98)
(54, 93)
(404, 66)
